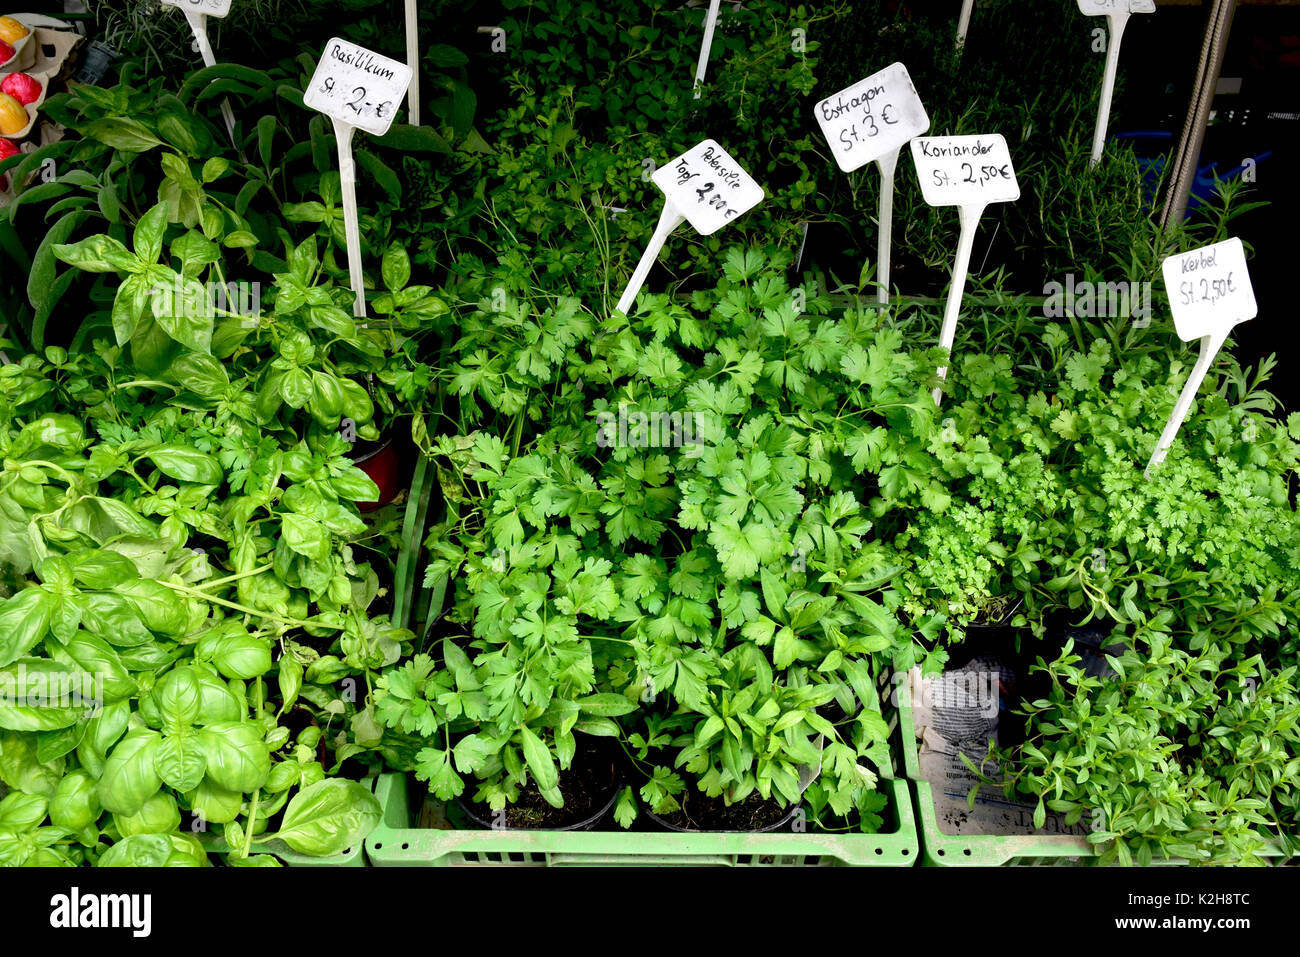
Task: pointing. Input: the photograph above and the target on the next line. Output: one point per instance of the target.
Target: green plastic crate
(396, 843)
(940, 849)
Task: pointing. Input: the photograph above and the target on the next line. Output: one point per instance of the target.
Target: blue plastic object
(1152, 163)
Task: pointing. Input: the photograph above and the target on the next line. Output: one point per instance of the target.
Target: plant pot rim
(384, 444)
(585, 824)
(774, 826)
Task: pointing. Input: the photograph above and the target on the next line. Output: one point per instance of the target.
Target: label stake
(968, 172)
(705, 187)
(1116, 13)
(871, 121)
(196, 15)
(1209, 293)
(710, 22)
(413, 61)
(356, 89)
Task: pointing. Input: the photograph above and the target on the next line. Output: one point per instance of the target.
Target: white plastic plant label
(1097, 8)
(1209, 290)
(208, 8)
(708, 187)
(965, 170)
(873, 117)
(355, 86)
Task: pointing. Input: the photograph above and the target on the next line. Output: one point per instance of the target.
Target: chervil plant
(1185, 750)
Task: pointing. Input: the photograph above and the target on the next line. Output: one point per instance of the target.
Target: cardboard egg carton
(48, 52)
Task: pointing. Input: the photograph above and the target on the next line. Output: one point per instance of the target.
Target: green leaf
(75, 804)
(130, 777)
(187, 464)
(741, 551)
(148, 236)
(606, 705)
(100, 568)
(24, 621)
(200, 373)
(413, 139)
(155, 850)
(195, 251)
(237, 756)
(121, 133)
(182, 310)
(396, 268)
(98, 254)
(540, 761)
(22, 812)
(306, 536)
(625, 810)
(329, 816)
(442, 56)
(180, 764)
(159, 815)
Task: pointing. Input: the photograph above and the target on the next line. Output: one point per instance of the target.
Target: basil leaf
(115, 618)
(305, 536)
(24, 621)
(130, 777)
(187, 464)
(157, 606)
(178, 697)
(44, 695)
(236, 653)
(180, 763)
(214, 804)
(148, 235)
(100, 253)
(22, 812)
(200, 373)
(98, 658)
(100, 568)
(75, 804)
(102, 731)
(155, 850)
(329, 817)
(22, 769)
(159, 815)
(237, 756)
(395, 268)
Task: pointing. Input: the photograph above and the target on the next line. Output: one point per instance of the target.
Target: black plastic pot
(472, 812)
(98, 58)
(774, 826)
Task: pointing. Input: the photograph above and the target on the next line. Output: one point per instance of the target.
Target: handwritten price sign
(209, 8)
(1096, 8)
(1209, 289)
(355, 86)
(965, 170)
(873, 117)
(708, 187)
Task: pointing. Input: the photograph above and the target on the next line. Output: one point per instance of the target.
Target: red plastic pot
(383, 466)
